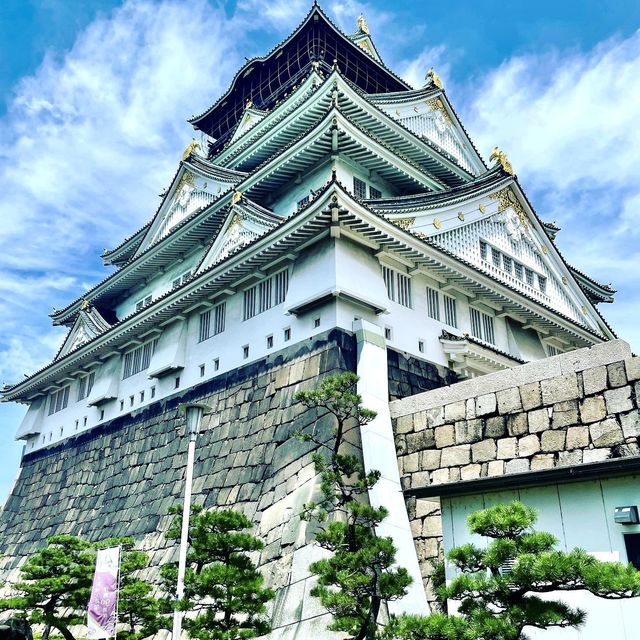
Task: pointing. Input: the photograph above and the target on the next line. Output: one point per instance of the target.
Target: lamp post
(193, 413)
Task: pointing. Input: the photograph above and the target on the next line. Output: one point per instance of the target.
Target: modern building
(323, 201)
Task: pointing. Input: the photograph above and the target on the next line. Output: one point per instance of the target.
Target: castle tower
(329, 217)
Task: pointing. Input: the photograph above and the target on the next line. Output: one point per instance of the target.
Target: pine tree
(499, 586)
(55, 586)
(359, 575)
(222, 584)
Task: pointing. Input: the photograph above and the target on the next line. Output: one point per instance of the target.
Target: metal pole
(182, 560)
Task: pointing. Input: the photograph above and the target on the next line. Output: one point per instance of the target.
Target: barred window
(482, 326)
(304, 201)
(507, 264)
(495, 257)
(59, 400)
(205, 326)
(85, 384)
(359, 188)
(181, 279)
(542, 284)
(483, 249)
(266, 294)
(519, 270)
(398, 286)
(219, 318)
(450, 311)
(143, 303)
(552, 351)
(374, 193)
(433, 303)
(529, 273)
(138, 359)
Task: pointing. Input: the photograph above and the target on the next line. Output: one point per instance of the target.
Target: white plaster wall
(579, 514)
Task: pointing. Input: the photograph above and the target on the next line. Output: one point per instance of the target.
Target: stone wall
(409, 376)
(570, 410)
(120, 479)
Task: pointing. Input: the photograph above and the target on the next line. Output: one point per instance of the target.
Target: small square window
(216, 364)
(176, 384)
(316, 323)
(245, 351)
(287, 334)
(142, 396)
(131, 399)
(202, 370)
(421, 346)
(387, 333)
(153, 392)
(121, 405)
(269, 342)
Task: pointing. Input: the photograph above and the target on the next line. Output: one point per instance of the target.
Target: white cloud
(569, 123)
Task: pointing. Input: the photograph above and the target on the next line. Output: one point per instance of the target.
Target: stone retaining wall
(575, 408)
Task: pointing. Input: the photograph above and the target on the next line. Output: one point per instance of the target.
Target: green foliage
(222, 584)
(55, 586)
(497, 603)
(358, 576)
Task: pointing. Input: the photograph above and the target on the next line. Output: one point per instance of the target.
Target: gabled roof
(89, 324)
(308, 223)
(265, 80)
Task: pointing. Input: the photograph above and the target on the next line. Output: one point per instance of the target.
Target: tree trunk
(66, 634)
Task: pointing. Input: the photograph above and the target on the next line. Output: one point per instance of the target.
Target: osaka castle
(326, 217)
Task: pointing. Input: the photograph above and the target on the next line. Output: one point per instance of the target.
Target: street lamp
(193, 413)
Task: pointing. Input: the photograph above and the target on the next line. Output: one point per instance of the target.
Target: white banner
(102, 614)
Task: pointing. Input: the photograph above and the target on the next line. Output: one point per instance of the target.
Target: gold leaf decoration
(564, 280)
(545, 250)
(501, 157)
(507, 198)
(404, 223)
(437, 223)
(192, 147)
(435, 79)
(362, 25)
(461, 216)
(237, 196)
(436, 104)
(481, 208)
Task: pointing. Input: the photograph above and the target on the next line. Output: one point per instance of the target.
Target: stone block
(470, 472)
(432, 527)
(404, 424)
(559, 389)
(553, 441)
(410, 463)
(564, 414)
(616, 375)
(495, 468)
(454, 474)
(444, 436)
(435, 416)
(596, 455)
(606, 433)
(577, 437)
(468, 431)
(420, 440)
(538, 420)
(509, 400)
(486, 404)
(618, 400)
(632, 369)
(517, 424)
(630, 424)
(430, 459)
(456, 456)
(420, 479)
(592, 409)
(506, 448)
(425, 507)
(528, 445)
(542, 461)
(519, 465)
(495, 427)
(455, 411)
(471, 408)
(569, 458)
(440, 476)
(483, 451)
(531, 396)
(594, 380)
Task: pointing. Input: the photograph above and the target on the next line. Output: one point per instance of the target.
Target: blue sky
(94, 97)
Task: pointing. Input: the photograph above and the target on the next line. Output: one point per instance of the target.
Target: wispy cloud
(568, 121)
